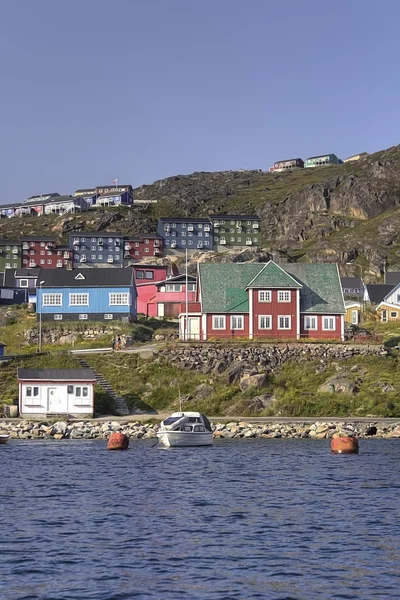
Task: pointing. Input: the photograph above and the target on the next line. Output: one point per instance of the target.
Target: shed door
(354, 317)
(194, 328)
(384, 316)
(53, 400)
(160, 308)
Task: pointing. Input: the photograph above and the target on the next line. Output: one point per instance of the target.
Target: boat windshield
(171, 420)
(207, 423)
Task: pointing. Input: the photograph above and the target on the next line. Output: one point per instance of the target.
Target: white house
(45, 392)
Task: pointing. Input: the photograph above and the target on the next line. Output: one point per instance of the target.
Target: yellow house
(388, 312)
(353, 312)
(356, 157)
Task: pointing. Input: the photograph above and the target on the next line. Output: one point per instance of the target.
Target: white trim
(285, 317)
(204, 326)
(57, 295)
(298, 314)
(270, 317)
(237, 328)
(310, 317)
(297, 285)
(251, 325)
(83, 303)
(121, 303)
(218, 317)
(267, 292)
(329, 328)
(284, 292)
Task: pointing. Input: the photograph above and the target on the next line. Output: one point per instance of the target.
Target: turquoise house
(86, 295)
(322, 161)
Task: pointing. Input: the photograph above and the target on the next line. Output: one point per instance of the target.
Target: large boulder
(253, 380)
(339, 384)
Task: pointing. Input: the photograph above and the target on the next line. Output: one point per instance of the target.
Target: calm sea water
(268, 519)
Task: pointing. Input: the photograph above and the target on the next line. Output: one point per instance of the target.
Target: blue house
(94, 249)
(86, 294)
(114, 195)
(186, 233)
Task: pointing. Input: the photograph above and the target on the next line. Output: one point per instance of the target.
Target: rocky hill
(345, 213)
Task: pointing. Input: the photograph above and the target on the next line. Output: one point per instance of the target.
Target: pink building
(164, 298)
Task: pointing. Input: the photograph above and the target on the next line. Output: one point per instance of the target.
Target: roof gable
(273, 276)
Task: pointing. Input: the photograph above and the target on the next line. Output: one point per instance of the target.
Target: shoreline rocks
(25, 430)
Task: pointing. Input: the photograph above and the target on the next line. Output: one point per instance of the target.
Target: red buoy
(118, 441)
(344, 445)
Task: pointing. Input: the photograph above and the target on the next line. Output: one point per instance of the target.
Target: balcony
(110, 259)
(76, 241)
(255, 225)
(25, 246)
(173, 244)
(15, 250)
(190, 228)
(249, 243)
(206, 228)
(127, 247)
(222, 241)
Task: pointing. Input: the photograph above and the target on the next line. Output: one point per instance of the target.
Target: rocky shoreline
(27, 430)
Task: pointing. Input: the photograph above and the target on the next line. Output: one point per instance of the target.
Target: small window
(393, 315)
(42, 262)
(93, 257)
(146, 249)
(108, 317)
(310, 323)
(77, 391)
(85, 391)
(42, 252)
(149, 275)
(284, 296)
(23, 283)
(237, 322)
(58, 317)
(42, 244)
(83, 317)
(328, 324)
(219, 322)
(29, 391)
(264, 296)
(139, 274)
(70, 389)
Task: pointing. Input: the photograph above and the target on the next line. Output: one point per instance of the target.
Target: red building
(164, 298)
(42, 251)
(261, 301)
(140, 247)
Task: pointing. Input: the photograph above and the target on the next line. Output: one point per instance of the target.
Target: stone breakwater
(221, 359)
(28, 430)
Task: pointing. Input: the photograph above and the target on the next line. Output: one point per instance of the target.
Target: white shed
(46, 392)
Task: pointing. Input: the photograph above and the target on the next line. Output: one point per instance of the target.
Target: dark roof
(352, 283)
(26, 272)
(41, 196)
(377, 292)
(287, 160)
(38, 238)
(65, 198)
(4, 242)
(8, 278)
(321, 156)
(12, 205)
(184, 219)
(143, 236)
(113, 185)
(56, 374)
(236, 217)
(102, 234)
(392, 277)
(101, 277)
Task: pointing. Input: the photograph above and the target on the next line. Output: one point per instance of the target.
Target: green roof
(223, 286)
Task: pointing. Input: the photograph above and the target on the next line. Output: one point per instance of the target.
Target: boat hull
(3, 439)
(175, 439)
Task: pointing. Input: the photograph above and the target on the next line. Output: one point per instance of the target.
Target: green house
(235, 231)
(322, 161)
(10, 254)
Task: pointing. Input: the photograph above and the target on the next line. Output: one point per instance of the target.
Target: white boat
(185, 429)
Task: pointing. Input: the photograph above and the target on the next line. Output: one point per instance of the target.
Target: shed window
(149, 275)
(70, 389)
(264, 322)
(393, 315)
(108, 316)
(58, 317)
(83, 317)
(23, 283)
(328, 324)
(139, 274)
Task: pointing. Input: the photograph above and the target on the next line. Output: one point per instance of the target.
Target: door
(53, 400)
(160, 310)
(384, 316)
(194, 328)
(354, 317)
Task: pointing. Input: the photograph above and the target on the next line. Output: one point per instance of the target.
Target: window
(70, 389)
(232, 239)
(42, 253)
(108, 317)
(191, 287)
(100, 257)
(23, 283)
(264, 295)
(49, 261)
(173, 287)
(200, 226)
(183, 242)
(206, 243)
(147, 249)
(42, 262)
(49, 253)
(190, 234)
(149, 275)
(42, 244)
(190, 243)
(354, 317)
(59, 263)
(264, 322)
(393, 315)
(137, 252)
(77, 391)
(284, 322)
(58, 317)
(328, 324)
(92, 257)
(119, 299)
(398, 299)
(237, 322)
(52, 300)
(206, 235)
(93, 248)
(310, 323)
(83, 317)
(139, 274)
(79, 299)
(219, 322)
(183, 226)
(239, 239)
(200, 234)
(146, 241)
(284, 296)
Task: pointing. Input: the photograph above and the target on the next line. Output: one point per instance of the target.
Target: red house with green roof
(265, 301)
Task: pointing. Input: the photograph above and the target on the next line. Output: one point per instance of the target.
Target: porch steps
(121, 407)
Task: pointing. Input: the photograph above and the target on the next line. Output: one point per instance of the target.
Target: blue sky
(140, 90)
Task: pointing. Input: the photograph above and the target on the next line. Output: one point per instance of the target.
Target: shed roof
(56, 374)
(377, 292)
(223, 286)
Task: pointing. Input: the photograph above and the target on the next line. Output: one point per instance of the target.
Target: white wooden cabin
(47, 392)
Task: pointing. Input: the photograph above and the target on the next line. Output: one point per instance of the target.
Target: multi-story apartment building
(188, 233)
(142, 246)
(97, 249)
(42, 251)
(10, 254)
(235, 231)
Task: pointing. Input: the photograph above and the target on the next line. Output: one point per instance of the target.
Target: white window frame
(354, 316)
(49, 299)
(284, 296)
(58, 317)
(325, 324)
(260, 317)
(219, 322)
(83, 317)
(119, 299)
(312, 324)
(23, 283)
(108, 317)
(393, 314)
(284, 317)
(79, 299)
(237, 322)
(267, 296)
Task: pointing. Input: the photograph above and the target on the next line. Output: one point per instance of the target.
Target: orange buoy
(344, 445)
(118, 441)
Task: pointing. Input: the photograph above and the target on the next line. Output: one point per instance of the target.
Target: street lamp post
(40, 316)
(354, 264)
